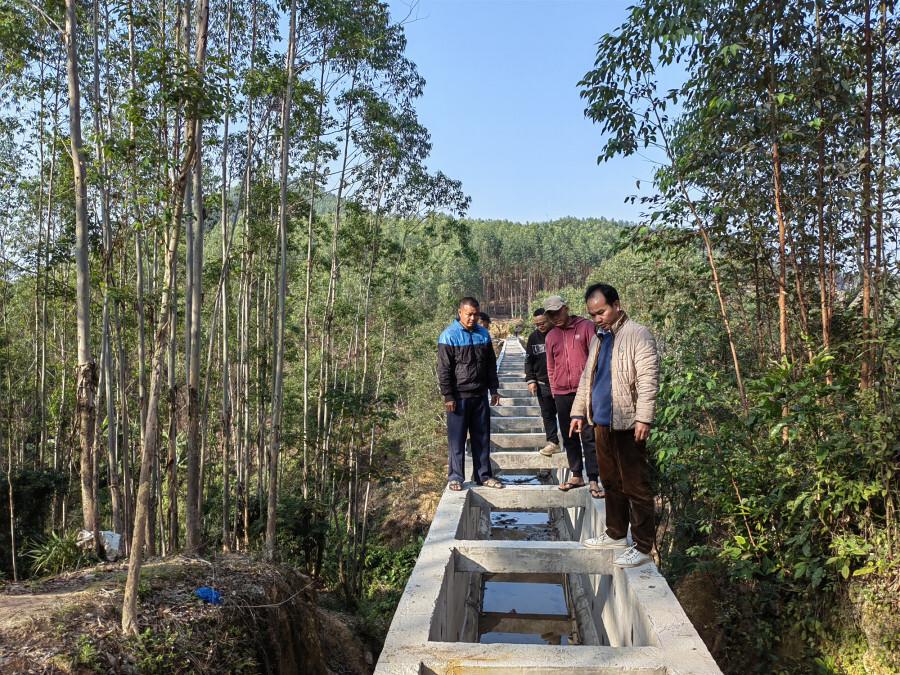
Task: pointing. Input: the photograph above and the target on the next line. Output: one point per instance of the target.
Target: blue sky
(502, 104)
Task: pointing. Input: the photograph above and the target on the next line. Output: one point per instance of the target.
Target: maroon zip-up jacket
(567, 352)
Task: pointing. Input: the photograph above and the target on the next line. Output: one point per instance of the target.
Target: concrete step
(516, 399)
(514, 440)
(527, 460)
(524, 424)
(514, 392)
(514, 384)
(516, 411)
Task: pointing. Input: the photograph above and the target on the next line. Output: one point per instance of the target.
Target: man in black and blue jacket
(467, 374)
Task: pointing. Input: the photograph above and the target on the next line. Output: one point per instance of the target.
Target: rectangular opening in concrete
(601, 601)
(526, 609)
(522, 478)
(509, 525)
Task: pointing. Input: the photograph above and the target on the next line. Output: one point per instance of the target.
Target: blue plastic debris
(210, 595)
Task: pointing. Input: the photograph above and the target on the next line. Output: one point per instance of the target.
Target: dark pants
(575, 445)
(625, 472)
(471, 418)
(548, 413)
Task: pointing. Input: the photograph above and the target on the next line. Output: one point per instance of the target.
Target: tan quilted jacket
(635, 376)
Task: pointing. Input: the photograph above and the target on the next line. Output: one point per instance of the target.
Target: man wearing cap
(538, 381)
(617, 395)
(467, 373)
(567, 351)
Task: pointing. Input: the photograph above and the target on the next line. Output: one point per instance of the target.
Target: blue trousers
(473, 418)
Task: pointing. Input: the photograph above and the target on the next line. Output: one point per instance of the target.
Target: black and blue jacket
(467, 365)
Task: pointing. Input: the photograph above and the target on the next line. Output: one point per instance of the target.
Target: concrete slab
(528, 497)
(507, 391)
(516, 400)
(527, 460)
(524, 440)
(524, 424)
(516, 411)
(516, 557)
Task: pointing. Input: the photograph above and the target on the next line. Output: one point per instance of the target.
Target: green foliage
(389, 568)
(788, 498)
(156, 651)
(34, 491)
(303, 529)
(58, 553)
(87, 656)
(387, 571)
(782, 507)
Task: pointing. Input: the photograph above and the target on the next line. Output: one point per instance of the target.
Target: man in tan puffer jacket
(617, 395)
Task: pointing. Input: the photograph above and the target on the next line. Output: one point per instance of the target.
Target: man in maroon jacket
(567, 351)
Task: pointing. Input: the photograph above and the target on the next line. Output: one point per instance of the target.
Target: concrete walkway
(628, 620)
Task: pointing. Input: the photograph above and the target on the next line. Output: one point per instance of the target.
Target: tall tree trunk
(278, 381)
(865, 166)
(308, 285)
(779, 213)
(226, 363)
(194, 487)
(86, 371)
(824, 305)
(112, 436)
(150, 435)
(11, 502)
(711, 260)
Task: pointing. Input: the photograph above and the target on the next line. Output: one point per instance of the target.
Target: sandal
(569, 485)
(493, 483)
(597, 493)
(455, 485)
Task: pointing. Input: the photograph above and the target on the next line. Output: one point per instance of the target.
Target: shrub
(57, 554)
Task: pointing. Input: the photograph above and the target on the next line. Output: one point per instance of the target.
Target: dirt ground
(269, 622)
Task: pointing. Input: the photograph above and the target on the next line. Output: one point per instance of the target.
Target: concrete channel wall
(629, 621)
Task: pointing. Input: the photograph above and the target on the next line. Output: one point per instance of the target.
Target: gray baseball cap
(555, 303)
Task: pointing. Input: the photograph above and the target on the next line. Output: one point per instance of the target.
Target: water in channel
(525, 608)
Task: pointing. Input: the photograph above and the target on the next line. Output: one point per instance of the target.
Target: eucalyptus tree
(193, 128)
(774, 108)
(280, 313)
(86, 372)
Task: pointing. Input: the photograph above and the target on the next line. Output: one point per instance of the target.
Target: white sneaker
(549, 450)
(631, 557)
(605, 541)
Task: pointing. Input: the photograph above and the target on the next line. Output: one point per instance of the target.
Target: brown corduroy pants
(625, 473)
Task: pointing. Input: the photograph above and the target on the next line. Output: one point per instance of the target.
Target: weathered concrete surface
(629, 618)
(520, 424)
(516, 411)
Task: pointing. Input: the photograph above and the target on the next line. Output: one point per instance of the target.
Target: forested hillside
(518, 262)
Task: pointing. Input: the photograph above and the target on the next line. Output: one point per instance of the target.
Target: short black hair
(469, 301)
(609, 293)
(538, 312)
(484, 316)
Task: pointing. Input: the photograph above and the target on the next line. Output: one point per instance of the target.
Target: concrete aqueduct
(503, 585)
